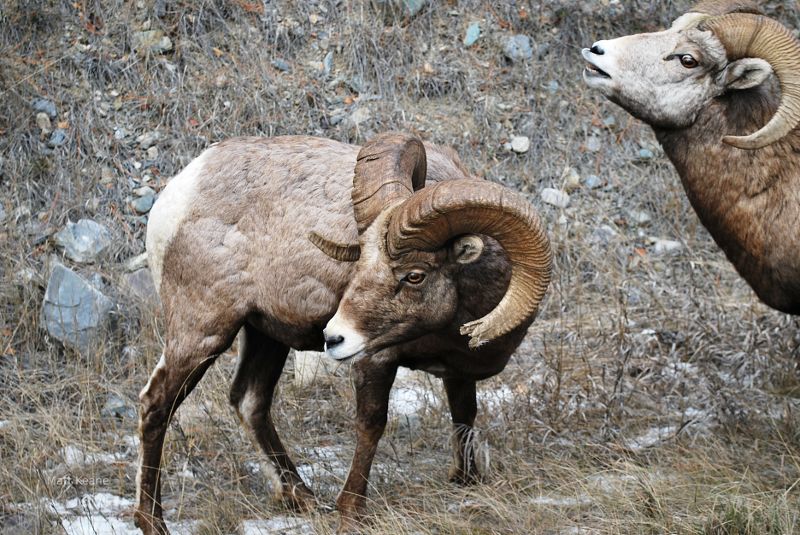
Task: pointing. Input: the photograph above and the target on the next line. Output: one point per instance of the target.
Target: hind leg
(463, 408)
(186, 358)
(261, 362)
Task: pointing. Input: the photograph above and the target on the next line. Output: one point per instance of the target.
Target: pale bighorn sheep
(721, 90)
(229, 243)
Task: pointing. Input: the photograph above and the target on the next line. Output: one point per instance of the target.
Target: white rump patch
(169, 211)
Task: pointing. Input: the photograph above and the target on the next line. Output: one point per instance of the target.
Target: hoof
(150, 524)
(298, 498)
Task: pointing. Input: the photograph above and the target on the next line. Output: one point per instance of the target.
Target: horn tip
(743, 142)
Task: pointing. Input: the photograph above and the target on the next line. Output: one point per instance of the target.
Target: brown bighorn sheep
(228, 242)
(721, 90)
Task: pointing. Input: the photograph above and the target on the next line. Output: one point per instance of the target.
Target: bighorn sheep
(230, 246)
(721, 90)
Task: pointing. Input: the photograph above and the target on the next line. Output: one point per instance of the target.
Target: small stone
(151, 42)
(120, 133)
(555, 197)
(57, 138)
(592, 182)
(358, 116)
(152, 152)
(46, 106)
(603, 235)
(393, 9)
(140, 286)
(327, 63)
(73, 311)
(106, 175)
(84, 241)
(117, 407)
(472, 35)
(552, 86)
(570, 179)
(520, 144)
(593, 144)
(148, 139)
(518, 47)
(136, 262)
(281, 65)
(610, 122)
(661, 246)
(645, 155)
(142, 205)
(143, 191)
(640, 217)
(43, 122)
(3, 214)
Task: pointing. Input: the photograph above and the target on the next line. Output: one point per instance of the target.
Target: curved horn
(716, 8)
(450, 208)
(756, 36)
(390, 167)
(338, 251)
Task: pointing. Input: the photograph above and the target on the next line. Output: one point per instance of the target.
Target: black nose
(333, 341)
(596, 49)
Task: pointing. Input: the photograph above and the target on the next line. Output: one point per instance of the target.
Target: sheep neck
(748, 200)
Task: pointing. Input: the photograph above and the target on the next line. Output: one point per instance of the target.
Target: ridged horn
(451, 208)
(390, 167)
(755, 36)
(343, 252)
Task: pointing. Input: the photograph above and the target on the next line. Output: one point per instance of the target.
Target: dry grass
(653, 395)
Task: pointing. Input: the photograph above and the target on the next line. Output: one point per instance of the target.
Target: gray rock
(57, 138)
(84, 241)
(555, 197)
(106, 175)
(399, 8)
(73, 311)
(640, 217)
(148, 139)
(152, 152)
(3, 214)
(144, 191)
(552, 86)
(570, 179)
(136, 262)
(151, 42)
(281, 65)
(117, 407)
(473, 33)
(120, 133)
(645, 155)
(520, 144)
(327, 63)
(43, 122)
(593, 144)
(142, 205)
(140, 286)
(661, 246)
(603, 235)
(518, 47)
(592, 182)
(46, 106)
(610, 122)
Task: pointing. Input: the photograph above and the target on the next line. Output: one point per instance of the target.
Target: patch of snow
(5, 423)
(610, 482)
(652, 437)
(75, 456)
(496, 397)
(410, 400)
(281, 524)
(561, 501)
(97, 525)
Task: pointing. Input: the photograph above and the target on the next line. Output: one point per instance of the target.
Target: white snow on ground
(73, 455)
(652, 437)
(561, 501)
(284, 525)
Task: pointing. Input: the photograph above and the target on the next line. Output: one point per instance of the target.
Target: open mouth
(593, 70)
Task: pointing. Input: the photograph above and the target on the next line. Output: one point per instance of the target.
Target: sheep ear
(467, 249)
(746, 73)
(338, 251)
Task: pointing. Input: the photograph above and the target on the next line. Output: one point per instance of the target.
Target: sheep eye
(414, 277)
(688, 61)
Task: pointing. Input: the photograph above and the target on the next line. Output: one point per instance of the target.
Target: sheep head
(667, 78)
(413, 251)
